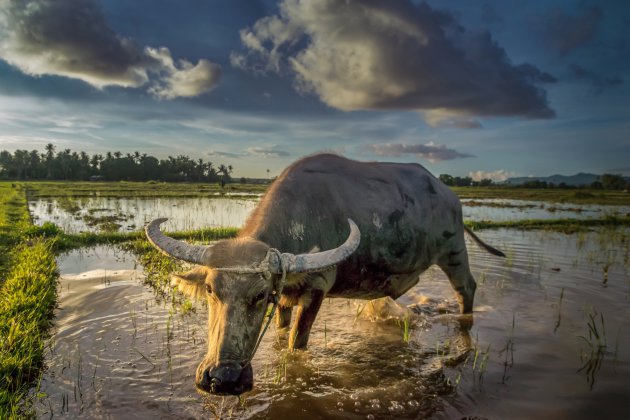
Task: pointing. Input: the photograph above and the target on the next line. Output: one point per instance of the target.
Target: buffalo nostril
(205, 379)
(214, 385)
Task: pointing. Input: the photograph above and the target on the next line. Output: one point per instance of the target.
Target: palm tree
(50, 154)
(225, 172)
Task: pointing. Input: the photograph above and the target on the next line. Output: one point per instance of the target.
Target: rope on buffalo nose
(275, 297)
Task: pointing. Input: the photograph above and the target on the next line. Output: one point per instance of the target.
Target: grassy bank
(14, 218)
(50, 189)
(27, 300)
(556, 225)
(551, 195)
(46, 189)
(69, 241)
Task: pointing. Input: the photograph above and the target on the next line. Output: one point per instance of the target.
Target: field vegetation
(551, 195)
(51, 189)
(27, 296)
(28, 274)
(54, 189)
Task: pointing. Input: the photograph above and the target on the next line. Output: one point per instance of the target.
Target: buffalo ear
(191, 283)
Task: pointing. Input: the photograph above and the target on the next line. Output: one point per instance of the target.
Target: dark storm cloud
(597, 81)
(391, 55)
(432, 152)
(71, 38)
(567, 31)
(534, 74)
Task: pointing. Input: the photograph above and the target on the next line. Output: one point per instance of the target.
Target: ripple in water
(121, 351)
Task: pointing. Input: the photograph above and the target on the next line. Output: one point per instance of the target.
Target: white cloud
(499, 175)
(391, 55)
(71, 38)
(186, 81)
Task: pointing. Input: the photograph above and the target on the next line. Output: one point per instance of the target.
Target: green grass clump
(13, 211)
(27, 299)
(158, 266)
(14, 218)
(70, 241)
(556, 225)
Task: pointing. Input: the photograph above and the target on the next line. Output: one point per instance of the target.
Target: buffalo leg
(455, 265)
(308, 307)
(283, 317)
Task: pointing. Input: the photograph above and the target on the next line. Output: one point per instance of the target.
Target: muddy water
(121, 351)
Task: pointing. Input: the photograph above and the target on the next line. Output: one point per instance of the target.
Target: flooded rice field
(549, 338)
(500, 210)
(184, 213)
(110, 213)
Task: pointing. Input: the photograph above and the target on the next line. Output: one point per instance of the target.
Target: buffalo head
(238, 277)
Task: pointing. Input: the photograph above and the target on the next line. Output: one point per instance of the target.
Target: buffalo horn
(174, 248)
(317, 261)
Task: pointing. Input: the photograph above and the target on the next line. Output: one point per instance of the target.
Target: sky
(487, 89)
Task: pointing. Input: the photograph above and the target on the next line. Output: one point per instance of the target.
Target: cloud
(566, 32)
(368, 55)
(224, 154)
(499, 175)
(446, 118)
(71, 38)
(430, 151)
(266, 151)
(599, 82)
(188, 81)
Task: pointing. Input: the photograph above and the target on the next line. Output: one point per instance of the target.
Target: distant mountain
(574, 180)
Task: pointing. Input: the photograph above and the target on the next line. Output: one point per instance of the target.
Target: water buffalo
(408, 220)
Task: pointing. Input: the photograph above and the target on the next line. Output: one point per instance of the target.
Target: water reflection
(121, 351)
(500, 210)
(93, 214)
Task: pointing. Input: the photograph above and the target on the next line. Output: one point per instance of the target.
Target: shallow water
(500, 210)
(132, 213)
(121, 351)
(184, 213)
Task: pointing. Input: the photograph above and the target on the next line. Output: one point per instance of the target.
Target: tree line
(80, 166)
(605, 182)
